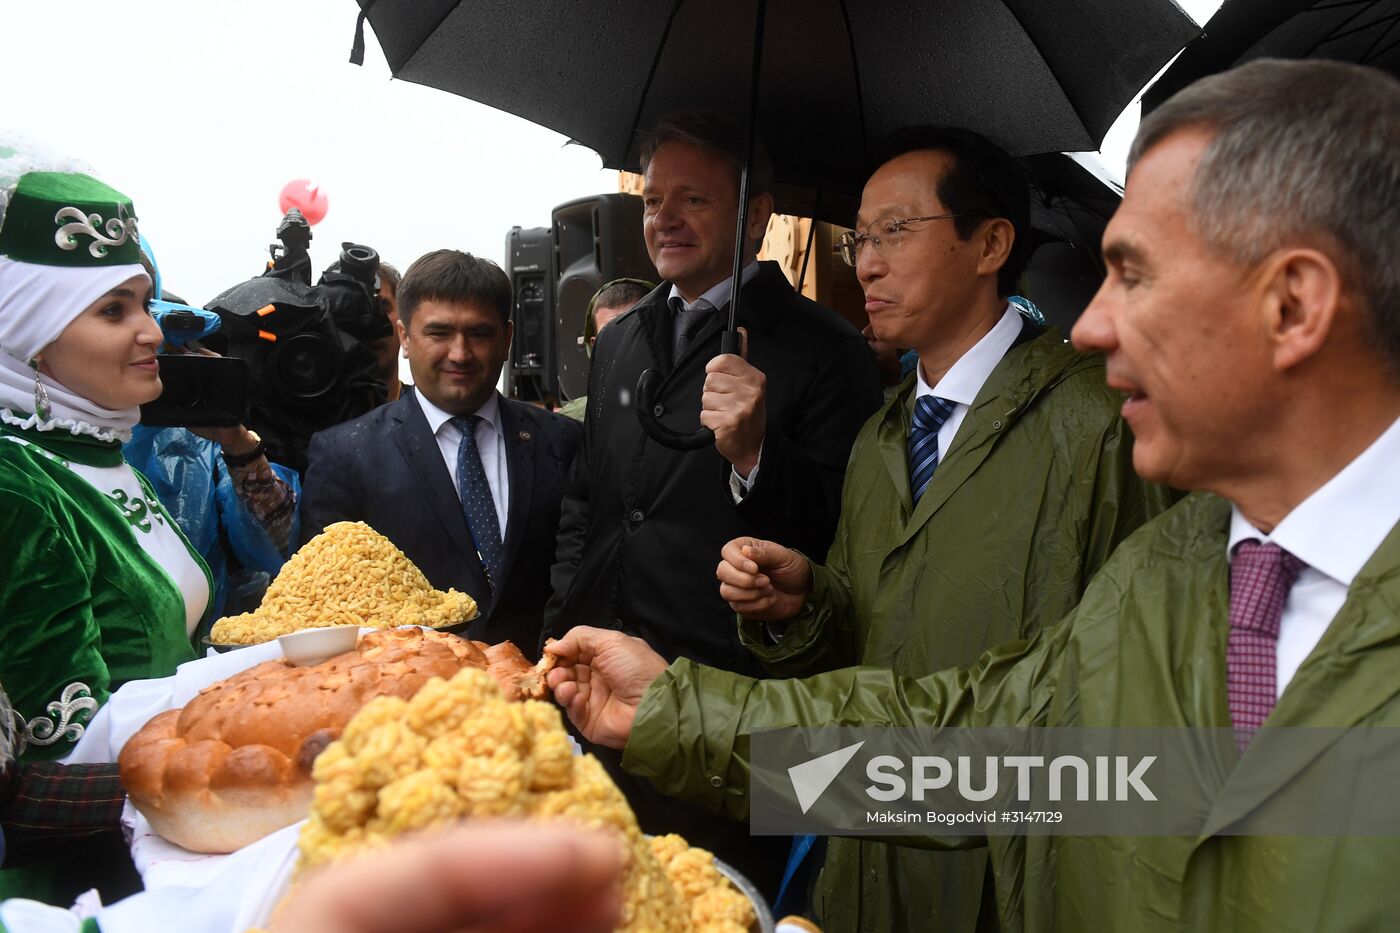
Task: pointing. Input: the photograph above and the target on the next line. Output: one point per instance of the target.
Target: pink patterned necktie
(1260, 577)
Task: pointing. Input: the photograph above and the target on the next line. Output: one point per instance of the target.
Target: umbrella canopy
(1069, 203)
(1363, 31)
(836, 76)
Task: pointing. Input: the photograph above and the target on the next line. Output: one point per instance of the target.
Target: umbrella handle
(648, 411)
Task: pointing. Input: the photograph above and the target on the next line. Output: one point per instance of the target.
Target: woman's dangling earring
(42, 407)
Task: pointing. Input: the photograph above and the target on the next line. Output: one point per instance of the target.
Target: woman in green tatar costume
(99, 585)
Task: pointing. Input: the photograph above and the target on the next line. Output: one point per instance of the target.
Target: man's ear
(760, 212)
(1302, 292)
(997, 237)
(401, 330)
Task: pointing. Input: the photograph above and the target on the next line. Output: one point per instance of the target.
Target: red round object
(305, 196)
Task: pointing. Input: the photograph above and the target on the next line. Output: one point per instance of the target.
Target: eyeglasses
(881, 233)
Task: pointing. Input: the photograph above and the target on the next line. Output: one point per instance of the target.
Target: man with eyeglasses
(1249, 326)
(978, 502)
(608, 303)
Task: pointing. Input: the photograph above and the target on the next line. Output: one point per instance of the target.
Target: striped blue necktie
(930, 412)
(477, 503)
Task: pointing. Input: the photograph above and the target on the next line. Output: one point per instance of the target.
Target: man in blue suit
(465, 482)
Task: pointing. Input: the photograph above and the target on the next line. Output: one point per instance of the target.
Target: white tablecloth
(137, 702)
(186, 890)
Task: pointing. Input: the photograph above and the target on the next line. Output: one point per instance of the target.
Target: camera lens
(305, 366)
(359, 261)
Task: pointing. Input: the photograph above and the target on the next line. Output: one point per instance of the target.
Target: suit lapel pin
(524, 435)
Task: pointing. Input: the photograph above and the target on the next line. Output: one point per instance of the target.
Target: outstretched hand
(600, 680)
(763, 580)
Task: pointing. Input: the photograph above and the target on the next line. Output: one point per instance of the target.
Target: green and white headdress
(66, 239)
(67, 219)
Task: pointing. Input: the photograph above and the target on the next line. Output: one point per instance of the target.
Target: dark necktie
(477, 503)
(1260, 577)
(930, 412)
(688, 324)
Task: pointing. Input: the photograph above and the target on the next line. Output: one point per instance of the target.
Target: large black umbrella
(824, 81)
(1362, 31)
(836, 76)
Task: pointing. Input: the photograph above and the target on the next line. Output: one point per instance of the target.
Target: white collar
(718, 296)
(965, 378)
(70, 412)
(1337, 528)
(490, 412)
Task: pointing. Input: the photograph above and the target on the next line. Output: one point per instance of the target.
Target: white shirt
(490, 444)
(965, 378)
(716, 297)
(1334, 531)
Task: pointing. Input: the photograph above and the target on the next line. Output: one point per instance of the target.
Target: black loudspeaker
(596, 240)
(533, 373)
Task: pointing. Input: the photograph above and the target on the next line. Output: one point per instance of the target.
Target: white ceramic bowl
(314, 645)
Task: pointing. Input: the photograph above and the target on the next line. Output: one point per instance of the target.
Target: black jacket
(385, 469)
(643, 525)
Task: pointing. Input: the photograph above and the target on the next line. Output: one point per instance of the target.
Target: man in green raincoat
(1250, 317)
(977, 503)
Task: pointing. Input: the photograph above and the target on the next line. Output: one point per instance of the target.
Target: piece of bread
(517, 677)
(235, 764)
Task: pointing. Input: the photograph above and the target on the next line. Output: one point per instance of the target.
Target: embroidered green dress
(99, 585)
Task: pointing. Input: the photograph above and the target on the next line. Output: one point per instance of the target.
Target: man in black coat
(643, 525)
(465, 482)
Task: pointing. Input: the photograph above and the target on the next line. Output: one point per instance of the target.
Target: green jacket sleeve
(692, 732)
(819, 638)
(1121, 501)
(52, 659)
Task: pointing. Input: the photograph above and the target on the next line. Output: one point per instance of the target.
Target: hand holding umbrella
(732, 407)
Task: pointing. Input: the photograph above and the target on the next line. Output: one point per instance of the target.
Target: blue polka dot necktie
(477, 503)
(930, 412)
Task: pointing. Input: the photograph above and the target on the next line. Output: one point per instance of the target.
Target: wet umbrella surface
(1034, 76)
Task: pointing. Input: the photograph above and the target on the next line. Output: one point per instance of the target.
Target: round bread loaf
(235, 763)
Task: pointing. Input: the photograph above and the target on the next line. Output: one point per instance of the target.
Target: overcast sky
(201, 114)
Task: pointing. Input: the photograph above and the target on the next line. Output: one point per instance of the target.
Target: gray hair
(1302, 151)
